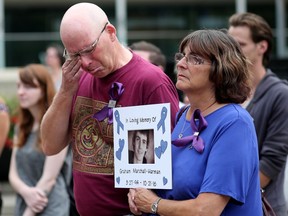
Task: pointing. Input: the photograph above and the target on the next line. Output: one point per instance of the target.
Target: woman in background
(54, 60)
(4, 123)
(4, 130)
(37, 179)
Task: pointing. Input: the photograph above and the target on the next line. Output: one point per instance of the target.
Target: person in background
(99, 73)
(4, 130)
(150, 53)
(214, 151)
(4, 123)
(140, 143)
(268, 105)
(54, 60)
(38, 180)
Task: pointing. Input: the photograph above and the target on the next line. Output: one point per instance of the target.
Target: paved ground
(9, 199)
(9, 196)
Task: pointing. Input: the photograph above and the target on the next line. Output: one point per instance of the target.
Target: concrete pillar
(280, 14)
(2, 34)
(241, 6)
(121, 20)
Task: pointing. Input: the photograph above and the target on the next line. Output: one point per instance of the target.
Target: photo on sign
(141, 146)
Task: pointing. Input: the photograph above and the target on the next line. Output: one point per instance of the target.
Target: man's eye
(86, 51)
(73, 55)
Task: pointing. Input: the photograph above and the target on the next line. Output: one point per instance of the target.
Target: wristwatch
(154, 206)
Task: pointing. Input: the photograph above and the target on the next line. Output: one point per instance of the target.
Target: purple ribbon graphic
(161, 123)
(115, 92)
(197, 141)
(119, 123)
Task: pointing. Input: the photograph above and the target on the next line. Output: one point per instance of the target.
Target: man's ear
(262, 46)
(111, 31)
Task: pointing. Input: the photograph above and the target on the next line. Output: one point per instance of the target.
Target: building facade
(31, 25)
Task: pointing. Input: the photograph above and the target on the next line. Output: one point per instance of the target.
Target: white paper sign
(142, 146)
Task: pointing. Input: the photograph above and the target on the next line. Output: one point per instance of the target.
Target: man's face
(242, 35)
(140, 145)
(93, 49)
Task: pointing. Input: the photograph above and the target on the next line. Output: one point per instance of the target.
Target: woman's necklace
(183, 126)
(182, 130)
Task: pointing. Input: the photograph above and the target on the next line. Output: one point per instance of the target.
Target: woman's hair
(35, 75)
(229, 70)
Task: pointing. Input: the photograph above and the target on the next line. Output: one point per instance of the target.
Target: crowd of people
(229, 135)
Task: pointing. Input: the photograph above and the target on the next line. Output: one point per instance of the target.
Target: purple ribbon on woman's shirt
(197, 141)
(115, 92)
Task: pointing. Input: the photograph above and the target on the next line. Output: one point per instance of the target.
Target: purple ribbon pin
(197, 141)
(115, 92)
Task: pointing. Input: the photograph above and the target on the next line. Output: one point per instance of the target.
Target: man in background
(150, 53)
(268, 105)
(154, 55)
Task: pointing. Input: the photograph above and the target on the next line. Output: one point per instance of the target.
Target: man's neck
(258, 73)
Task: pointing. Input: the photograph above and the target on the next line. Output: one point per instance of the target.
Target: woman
(37, 179)
(214, 151)
(4, 123)
(54, 60)
(4, 130)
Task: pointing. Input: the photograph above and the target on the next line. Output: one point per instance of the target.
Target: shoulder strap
(181, 111)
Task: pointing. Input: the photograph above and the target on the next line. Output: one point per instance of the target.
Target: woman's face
(51, 58)
(28, 95)
(193, 73)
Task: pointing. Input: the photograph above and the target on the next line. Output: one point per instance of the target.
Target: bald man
(98, 74)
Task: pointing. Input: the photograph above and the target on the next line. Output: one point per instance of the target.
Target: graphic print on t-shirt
(92, 140)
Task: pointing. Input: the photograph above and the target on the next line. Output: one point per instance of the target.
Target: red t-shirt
(92, 140)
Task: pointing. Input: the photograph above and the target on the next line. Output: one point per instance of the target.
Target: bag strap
(266, 207)
(181, 111)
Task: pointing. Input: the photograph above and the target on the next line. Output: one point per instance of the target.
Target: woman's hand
(28, 212)
(35, 199)
(132, 206)
(140, 200)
